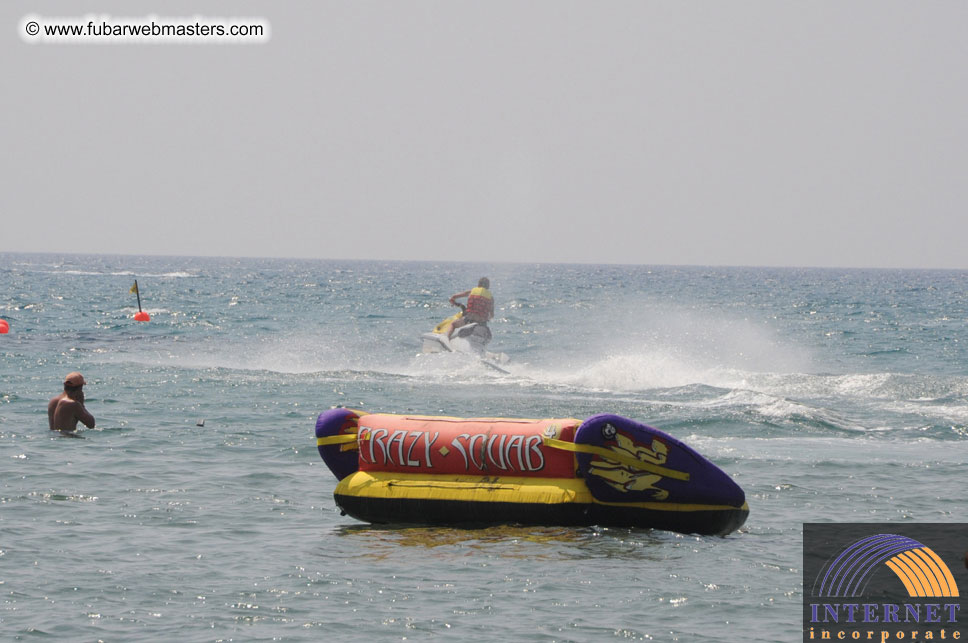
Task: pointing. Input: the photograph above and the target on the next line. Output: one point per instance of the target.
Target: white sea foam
(178, 274)
(151, 311)
(626, 372)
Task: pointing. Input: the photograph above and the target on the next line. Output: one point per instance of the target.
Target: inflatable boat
(607, 470)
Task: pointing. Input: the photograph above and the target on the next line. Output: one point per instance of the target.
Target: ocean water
(199, 510)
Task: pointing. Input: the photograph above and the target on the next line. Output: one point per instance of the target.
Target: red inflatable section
(454, 446)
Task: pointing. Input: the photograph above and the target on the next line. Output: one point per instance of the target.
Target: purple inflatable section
(329, 423)
(672, 472)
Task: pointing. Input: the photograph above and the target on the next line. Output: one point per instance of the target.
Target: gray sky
(821, 133)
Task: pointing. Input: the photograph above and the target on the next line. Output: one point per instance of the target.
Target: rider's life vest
(480, 305)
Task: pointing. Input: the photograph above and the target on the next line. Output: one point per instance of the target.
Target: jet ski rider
(480, 305)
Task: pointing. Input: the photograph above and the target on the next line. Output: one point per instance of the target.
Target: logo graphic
(922, 572)
(865, 581)
(623, 474)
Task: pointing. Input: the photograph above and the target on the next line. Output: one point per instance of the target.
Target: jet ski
(471, 339)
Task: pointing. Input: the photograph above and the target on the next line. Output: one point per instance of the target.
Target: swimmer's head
(73, 382)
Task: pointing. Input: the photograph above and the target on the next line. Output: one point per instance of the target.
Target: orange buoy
(140, 315)
(4, 327)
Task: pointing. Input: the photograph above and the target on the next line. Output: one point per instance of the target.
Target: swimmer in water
(64, 411)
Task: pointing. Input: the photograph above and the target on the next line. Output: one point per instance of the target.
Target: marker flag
(141, 315)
